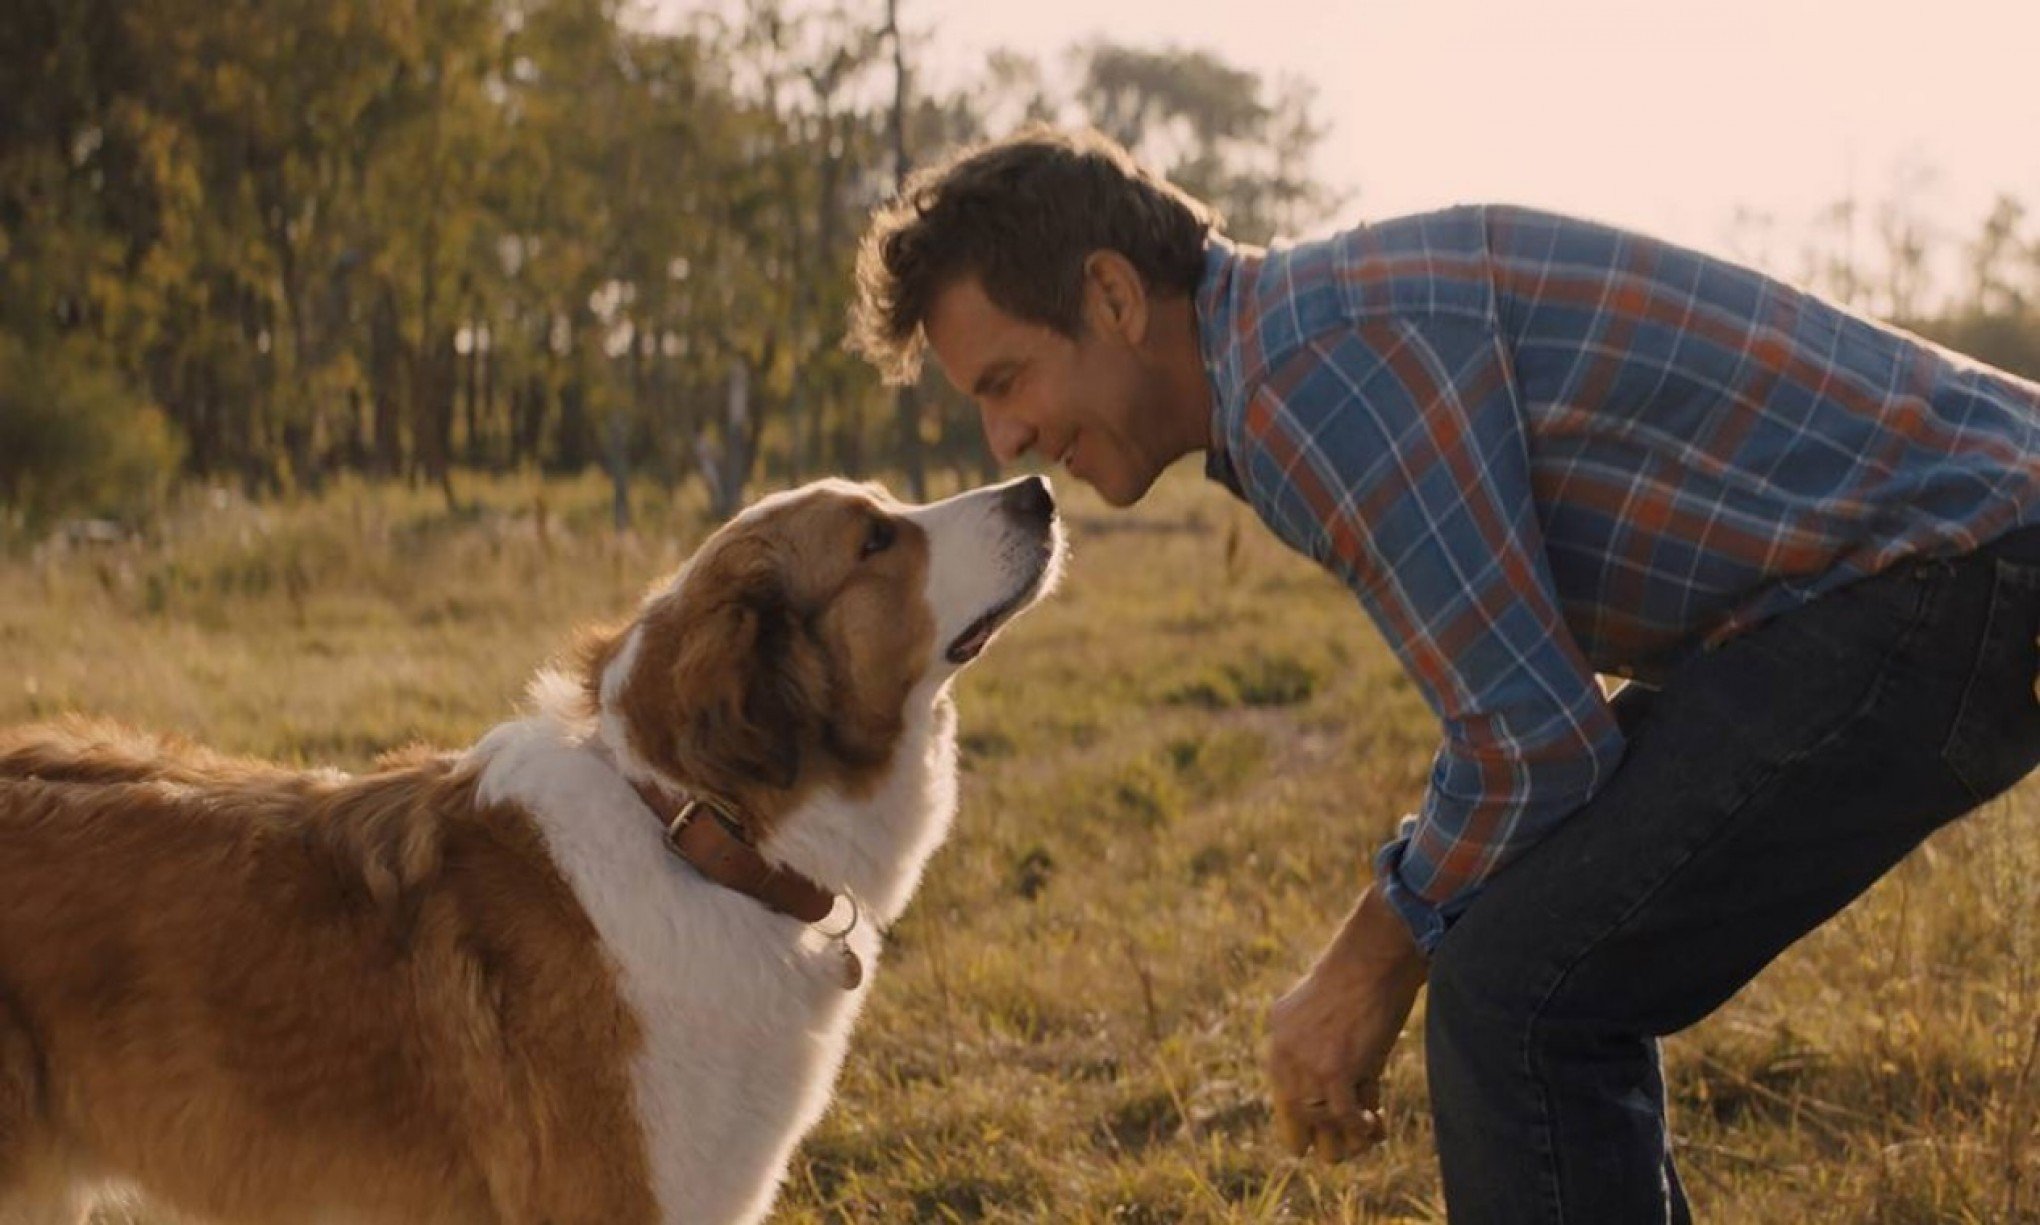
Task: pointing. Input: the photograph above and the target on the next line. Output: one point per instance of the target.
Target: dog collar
(706, 834)
(712, 839)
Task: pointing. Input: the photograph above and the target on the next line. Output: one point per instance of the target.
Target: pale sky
(1661, 114)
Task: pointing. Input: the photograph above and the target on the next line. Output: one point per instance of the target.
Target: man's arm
(1330, 1035)
(1395, 455)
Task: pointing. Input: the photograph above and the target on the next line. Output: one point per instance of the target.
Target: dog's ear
(594, 648)
(739, 680)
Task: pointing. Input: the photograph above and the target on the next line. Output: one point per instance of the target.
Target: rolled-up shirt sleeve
(1394, 452)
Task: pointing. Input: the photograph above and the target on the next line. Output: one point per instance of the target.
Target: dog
(601, 966)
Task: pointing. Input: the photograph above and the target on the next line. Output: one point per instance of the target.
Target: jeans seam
(1960, 732)
(1554, 1197)
(1730, 817)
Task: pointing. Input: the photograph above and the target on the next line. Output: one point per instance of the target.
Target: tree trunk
(619, 470)
(470, 394)
(736, 450)
(385, 364)
(906, 403)
(907, 416)
(432, 388)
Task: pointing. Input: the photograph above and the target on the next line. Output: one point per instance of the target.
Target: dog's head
(787, 652)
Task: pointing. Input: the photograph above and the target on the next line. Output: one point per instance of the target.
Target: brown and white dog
(480, 987)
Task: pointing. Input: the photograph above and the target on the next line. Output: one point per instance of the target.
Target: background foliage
(407, 239)
(402, 239)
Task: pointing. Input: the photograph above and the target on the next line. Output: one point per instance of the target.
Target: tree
(1906, 237)
(403, 237)
(1211, 128)
(76, 440)
(1996, 271)
(906, 400)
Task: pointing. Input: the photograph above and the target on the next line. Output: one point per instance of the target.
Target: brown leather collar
(706, 834)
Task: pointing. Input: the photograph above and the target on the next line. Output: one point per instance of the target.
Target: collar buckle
(693, 808)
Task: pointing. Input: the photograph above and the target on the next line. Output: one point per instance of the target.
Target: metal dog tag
(849, 970)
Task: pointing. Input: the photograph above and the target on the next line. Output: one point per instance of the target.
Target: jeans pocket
(1995, 740)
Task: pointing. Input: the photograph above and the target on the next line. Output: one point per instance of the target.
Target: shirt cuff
(1426, 922)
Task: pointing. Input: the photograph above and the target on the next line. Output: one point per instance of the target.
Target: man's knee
(1502, 979)
(1484, 988)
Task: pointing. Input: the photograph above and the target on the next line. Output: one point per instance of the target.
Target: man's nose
(1008, 438)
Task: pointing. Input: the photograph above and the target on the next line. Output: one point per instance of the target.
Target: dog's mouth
(978, 635)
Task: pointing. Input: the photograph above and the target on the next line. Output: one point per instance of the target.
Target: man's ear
(1115, 298)
(737, 686)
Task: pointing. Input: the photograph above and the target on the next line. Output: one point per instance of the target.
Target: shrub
(75, 440)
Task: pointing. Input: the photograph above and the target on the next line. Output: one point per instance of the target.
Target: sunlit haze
(1670, 116)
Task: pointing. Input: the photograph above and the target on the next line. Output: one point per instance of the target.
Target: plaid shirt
(1536, 448)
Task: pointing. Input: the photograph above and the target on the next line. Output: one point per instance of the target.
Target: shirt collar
(1217, 345)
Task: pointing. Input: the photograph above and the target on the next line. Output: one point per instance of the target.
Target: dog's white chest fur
(744, 1018)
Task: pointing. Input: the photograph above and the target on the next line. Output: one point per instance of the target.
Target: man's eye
(998, 385)
(879, 538)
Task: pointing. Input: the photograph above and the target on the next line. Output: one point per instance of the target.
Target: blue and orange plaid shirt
(1538, 448)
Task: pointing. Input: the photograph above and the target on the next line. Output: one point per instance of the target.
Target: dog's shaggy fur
(478, 987)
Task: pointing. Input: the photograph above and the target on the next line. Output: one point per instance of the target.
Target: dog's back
(263, 994)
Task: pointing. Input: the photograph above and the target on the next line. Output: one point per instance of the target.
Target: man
(1535, 449)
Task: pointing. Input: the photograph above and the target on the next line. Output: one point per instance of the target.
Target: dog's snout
(1029, 500)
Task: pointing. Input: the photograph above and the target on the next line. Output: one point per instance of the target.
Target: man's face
(1091, 404)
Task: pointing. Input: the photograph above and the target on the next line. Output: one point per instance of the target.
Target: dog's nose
(1029, 500)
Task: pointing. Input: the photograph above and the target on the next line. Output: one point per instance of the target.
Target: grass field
(1174, 774)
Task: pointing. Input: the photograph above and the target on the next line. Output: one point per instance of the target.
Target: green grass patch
(1258, 679)
(1171, 789)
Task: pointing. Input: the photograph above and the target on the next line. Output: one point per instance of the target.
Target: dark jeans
(1767, 784)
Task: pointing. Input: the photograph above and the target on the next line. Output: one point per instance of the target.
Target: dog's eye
(879, 538)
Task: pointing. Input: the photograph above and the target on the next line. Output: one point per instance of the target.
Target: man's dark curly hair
(1021, 214)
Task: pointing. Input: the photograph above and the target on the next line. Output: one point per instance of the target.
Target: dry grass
(1174, 775)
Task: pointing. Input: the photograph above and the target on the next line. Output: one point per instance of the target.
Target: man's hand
(1330, 1035)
